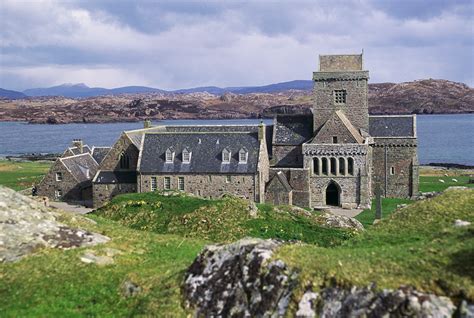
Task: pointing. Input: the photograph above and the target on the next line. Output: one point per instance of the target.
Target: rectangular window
(242, 157)
(59, 176)
(181, 183)
(186, 157)
(210, 178)
(334, 139)
(58, 193)
(228, 179)
(226, 156)
(167, 183)
(392, 170)
(339, 96)
(153, 184)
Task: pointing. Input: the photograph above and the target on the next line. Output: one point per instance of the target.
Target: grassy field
(433, 183)
(22, 175)
(221, 220)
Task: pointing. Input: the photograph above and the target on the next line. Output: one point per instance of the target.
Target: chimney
(261, 132)
(147, 123)
(78, 144)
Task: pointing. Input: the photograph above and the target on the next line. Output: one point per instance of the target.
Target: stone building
(334, 156)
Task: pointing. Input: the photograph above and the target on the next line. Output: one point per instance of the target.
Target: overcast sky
(174, 44)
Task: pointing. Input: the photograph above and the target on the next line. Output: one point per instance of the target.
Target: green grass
(55, 283)
(432, 183)
(221, 220)
(21, 175)
(389, 205)
(416, 246)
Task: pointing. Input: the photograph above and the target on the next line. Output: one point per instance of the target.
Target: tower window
(334, 139)
(324, 166)
(392, 170)
(333, 166)
(340, 96)
(316, 166)
(124, 161)
(350, 166)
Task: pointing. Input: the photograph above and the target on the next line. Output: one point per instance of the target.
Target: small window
(350, 166)
(181, 183)
(167, 183)
(59, 176)
(334, 139)
(324, 166)
(210, 178)
(243, 154)
(340, 96)
(333, 166)
(342, 166)
(316, 166)
(186, 156)
(153, 184)
(225, 156)
(228, 179)
(392, 170)
(169, 155)
(58, 193)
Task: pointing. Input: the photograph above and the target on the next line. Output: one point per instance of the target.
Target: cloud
(182, 44)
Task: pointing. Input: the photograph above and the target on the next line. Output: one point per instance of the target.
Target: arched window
(324, 168)
(333, 166)
(350, 166)
(316, 166)
(124, 161)
(342, 166)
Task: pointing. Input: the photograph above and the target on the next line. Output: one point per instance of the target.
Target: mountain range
(81, 90)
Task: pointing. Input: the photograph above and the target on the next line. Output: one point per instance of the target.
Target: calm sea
(441, 138)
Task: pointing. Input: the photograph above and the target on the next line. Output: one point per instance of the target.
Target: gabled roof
(115, 177)
(341, 117)
(76, 150)
(207, 155)
(82, 167)
(292, 129)
(392, 126)
(99, 153)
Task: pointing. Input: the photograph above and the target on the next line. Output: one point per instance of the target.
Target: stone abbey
(335, 156)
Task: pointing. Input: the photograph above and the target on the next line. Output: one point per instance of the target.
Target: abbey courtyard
(337, 156)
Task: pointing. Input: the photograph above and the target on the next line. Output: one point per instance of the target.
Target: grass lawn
(433, 183)
(416, 246)
(389, 205)
(221, 220)
(21, 175)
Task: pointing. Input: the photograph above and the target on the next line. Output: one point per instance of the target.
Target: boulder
(239, 280)
(340, 221)
(26, 225)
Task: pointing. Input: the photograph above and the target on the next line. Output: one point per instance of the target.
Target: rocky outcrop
(242, 280)
(339, 221)
(26, 225)
(239, 280)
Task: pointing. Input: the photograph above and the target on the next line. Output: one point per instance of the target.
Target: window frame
(58, 193)
(226, 156)
(153, 184)
(181, 183)
(60, 175)
(167, 183)
(186, 156)
(169, 156)
(244, 153)
(340, 96)
(228, 179)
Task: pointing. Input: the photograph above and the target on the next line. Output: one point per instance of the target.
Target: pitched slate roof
(99, 153)
(292, 129)
(354, 132)
(392, 126)
(83, 167)
(115, 177)
(206, 152)
(76, 150)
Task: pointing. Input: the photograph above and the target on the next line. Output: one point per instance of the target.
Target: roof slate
(206, 152)
(99, 153)
(392, 126)
(292, 129)
(75, 150)
(83, 167)
(115, 177)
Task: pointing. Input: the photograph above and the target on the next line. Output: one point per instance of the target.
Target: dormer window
(226, 155)
(169, 155)
(186, 155)
(243, 155)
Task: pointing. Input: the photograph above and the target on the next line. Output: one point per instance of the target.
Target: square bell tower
(341, 84)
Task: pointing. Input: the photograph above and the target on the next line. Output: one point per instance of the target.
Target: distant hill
(5, 93)
(82, 90)
(272, 88)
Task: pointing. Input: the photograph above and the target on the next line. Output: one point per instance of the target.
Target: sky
(181, 44)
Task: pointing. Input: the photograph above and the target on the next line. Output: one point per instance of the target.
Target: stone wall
(356, 106)
(69, 186)
(277, 194)
(103, 193)
(111, 161)
(395, 166)
(331, 63)
(298, 178)
(287, 156)
(204, 185)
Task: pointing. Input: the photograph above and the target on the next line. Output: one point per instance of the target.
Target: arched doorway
(332, 194)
